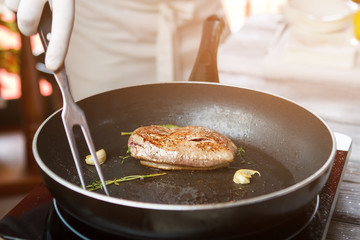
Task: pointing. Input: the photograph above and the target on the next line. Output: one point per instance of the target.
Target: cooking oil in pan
(204, 187)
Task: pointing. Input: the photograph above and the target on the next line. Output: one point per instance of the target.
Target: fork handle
(44, 27)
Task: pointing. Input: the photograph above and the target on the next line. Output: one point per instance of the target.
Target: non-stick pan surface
(291, 148)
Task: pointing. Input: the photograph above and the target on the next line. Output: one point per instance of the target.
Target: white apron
(118, 43)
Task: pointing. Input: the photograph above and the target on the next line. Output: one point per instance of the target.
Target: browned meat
(190, 148)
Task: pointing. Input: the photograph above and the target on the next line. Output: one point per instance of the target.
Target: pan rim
(179, 207)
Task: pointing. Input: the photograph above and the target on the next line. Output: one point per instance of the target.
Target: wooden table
(241, 63)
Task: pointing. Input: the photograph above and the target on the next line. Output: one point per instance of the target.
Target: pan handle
(205, 68)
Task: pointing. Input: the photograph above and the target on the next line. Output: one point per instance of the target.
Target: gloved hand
(28, 17)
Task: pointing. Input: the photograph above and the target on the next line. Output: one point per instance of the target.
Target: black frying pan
(292, 148)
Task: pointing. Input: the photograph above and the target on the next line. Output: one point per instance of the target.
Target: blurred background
(28, 94)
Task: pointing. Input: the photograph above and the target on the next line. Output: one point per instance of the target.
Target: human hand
(28, 18)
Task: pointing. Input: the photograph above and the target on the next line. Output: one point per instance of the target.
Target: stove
(38, 217)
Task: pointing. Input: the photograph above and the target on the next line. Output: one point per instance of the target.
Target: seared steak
(192, 148)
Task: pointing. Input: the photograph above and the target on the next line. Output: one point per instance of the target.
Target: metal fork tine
(91, 147)
(75, 153)
(73, 115)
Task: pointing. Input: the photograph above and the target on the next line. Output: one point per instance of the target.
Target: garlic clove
(101, 155)
(243, 176)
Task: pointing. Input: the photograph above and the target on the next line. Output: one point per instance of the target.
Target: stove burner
(288, 230)
(61, 225)
(72, 229)
(310, 219)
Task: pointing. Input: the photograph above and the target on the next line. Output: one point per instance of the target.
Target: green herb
(95, 185)
(123, 158)
(169, 126)
(126, 156)
(240, 153)
(126, 133)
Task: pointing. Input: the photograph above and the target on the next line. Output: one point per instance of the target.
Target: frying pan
(291, 147)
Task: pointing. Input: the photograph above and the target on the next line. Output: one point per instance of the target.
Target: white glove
(28, 17)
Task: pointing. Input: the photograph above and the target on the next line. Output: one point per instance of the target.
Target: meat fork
(72, 114)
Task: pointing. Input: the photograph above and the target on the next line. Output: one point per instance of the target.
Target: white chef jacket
(119, 43)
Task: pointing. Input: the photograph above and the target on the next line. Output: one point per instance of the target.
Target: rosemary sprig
(123, 158)
(126, 156)
(95, 185)
(170, 126)
(240, 153)
(126, 133)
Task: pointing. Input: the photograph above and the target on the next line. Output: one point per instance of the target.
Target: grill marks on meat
(186, 148)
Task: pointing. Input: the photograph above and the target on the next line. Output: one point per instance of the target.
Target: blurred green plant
(9, 58)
